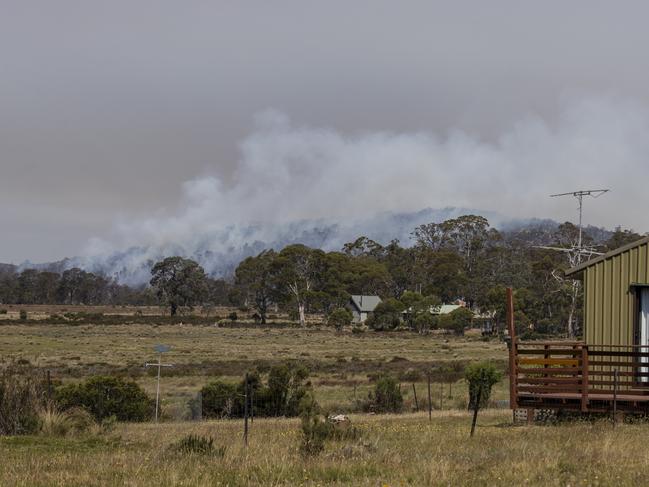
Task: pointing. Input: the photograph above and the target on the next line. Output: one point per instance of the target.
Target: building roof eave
(579, 268)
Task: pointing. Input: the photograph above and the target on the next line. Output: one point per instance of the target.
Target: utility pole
(160, 349)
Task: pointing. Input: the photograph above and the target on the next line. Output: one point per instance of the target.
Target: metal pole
(157, 390)
(245, 412)
(580, 197)
(430, 403)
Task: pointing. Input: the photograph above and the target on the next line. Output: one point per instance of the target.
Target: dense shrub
(481, 377)
(3, 311)
(340, 318)
(386, 316)
(280, 396)
(456, 321)
(107, 396)
(23, 314)
(221, 400)
(386, 397)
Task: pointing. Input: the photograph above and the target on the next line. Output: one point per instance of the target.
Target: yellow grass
(396, 450)
(393, 450)
(340, 363)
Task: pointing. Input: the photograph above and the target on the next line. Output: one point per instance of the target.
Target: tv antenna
(160, 349)
(575, 253)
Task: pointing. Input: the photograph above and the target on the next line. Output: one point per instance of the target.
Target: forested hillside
(462, 258)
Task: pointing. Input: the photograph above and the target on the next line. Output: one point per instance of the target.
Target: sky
(134, 122)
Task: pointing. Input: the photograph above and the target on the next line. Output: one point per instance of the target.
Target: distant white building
(444, 309)
(362, 306)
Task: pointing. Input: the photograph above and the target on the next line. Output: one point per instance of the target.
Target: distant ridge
(219, 253)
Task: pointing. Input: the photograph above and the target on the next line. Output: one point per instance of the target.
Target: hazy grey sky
(107, 108)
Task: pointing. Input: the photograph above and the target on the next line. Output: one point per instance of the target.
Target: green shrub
(386, 316)
(221, 400)
(233, 316)
(386, 397)
(23, 314)
(202, 445)
(340, 318)
(456, 321)
(315, 430)
(107, 396)
(424, 322)
(481, 377)
(3, 311)
(280, 396)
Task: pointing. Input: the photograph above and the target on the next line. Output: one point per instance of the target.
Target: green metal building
(616, 296)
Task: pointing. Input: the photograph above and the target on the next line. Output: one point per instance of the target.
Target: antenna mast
(576, 252)
(580, 250)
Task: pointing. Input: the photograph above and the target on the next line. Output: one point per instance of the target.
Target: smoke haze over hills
(134, 122)
(296, 183)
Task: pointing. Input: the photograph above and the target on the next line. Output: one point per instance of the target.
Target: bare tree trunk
(300, 310)
(572, 332)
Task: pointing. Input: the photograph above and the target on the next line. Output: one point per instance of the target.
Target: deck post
(513, 399)
(615, 383)
(584, 378)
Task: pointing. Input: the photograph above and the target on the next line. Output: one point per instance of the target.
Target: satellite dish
(162, 348)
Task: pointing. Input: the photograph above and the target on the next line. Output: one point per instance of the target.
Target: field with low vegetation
(343, 367)
(392, 450)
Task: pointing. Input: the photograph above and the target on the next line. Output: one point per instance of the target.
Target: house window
(642, 339)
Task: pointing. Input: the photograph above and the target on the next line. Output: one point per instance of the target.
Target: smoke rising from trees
(296, 182)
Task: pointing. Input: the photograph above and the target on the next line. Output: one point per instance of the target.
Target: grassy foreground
(393, 450)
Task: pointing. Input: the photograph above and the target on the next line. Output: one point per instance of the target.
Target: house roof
(444, 309)
(612, 253)
(365, 304)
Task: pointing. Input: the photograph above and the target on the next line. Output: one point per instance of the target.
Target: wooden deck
(573, 375)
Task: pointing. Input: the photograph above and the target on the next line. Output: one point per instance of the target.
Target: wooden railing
(575, 375)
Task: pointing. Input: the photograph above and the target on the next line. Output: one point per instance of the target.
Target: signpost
(160, 349)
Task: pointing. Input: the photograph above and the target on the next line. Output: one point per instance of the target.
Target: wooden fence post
(615, 384)
(475, 410)
(513, 399)
(414, 392)
(584, 378)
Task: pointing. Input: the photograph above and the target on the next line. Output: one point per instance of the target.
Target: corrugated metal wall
(609, 303)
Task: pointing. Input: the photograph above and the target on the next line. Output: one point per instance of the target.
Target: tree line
(462, 258)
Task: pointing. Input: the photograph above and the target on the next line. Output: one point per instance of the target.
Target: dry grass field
(392, 450)
(341, 364)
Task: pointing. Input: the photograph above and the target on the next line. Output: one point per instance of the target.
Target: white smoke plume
(297, 182)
